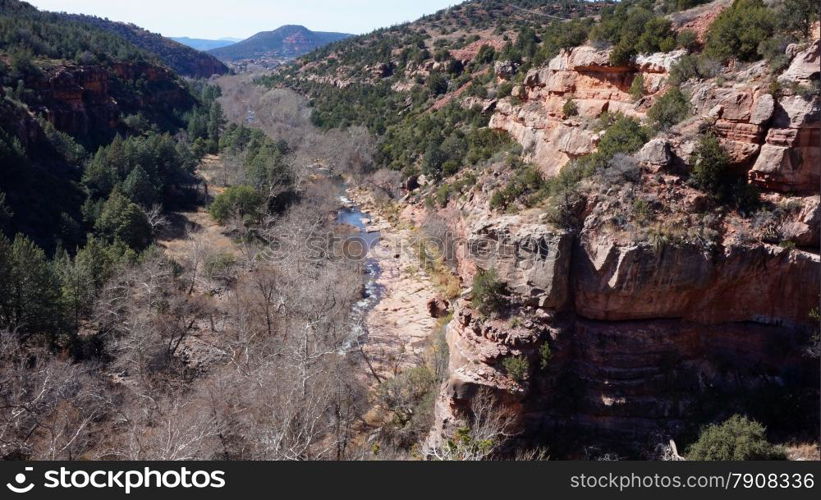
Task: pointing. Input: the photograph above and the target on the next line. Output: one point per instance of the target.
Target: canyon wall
(648, 341)
(90, 101)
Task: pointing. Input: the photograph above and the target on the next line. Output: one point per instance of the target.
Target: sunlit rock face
(645, 340)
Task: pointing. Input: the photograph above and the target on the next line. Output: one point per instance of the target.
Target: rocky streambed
(392, 323)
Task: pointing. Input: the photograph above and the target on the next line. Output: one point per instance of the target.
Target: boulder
(805, 66)
(659, 62)
(656, 154)
(505, 69)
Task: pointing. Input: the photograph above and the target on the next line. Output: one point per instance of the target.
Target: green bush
(799, 16)
(29, 288)
(570, 109)
(505, 90)
(545, 355)
(516, 367)
(669, 109)
(437, 84)
(242, 201)
(486, 54)
(688, 40)
(488, 292)
(692, 66)
(637, 87)
(624, 135)
(739, 30)
(122, 220)
(738, 438)
(219, 265)
(409, 398)
(710, 167)
(633, 28)
(524, 186)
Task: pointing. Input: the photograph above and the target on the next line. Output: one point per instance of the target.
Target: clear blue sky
(242, 18)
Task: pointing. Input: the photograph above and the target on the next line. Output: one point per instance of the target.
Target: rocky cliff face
(89, 102)
(584, 75)
(648, 339)
(778, 136)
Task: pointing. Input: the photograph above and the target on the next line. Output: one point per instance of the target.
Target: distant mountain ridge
(286, 42)
(181, 58)
(203, 44)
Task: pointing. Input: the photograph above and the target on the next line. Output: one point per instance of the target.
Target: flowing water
(361, 238)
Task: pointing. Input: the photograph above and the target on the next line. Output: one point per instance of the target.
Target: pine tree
(29, 288)
(139, 189)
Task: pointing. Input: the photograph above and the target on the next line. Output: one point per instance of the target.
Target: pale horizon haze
(214, 19)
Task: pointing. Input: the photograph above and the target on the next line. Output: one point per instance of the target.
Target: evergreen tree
(29, 288)
(139, 189)
(123, 220)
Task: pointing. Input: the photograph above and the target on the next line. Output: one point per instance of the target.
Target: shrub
(562, 209)
(691, 66)
(525, 186)
(669, 109)
(505, 90)
(656, 35)
(242, 201)
(570, 109)
(122, 220)
(637, 87)
(710, 167)
(218, 266)
(488, 292)
(624, 135)
(738, 438)
(688, 40)
(738, 31)
(486, 54)
(409, 397)
(516, 367)
(621, 169)
(799, 15)
(545, 355)
(633, 28)
(622, 54)
(437, 84)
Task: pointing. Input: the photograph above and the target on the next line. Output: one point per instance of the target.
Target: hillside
(181, 58)
(67, 88)
(618, 184)
(286, 42)
(203, 44)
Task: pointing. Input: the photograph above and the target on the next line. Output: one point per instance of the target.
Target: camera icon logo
(20, 480)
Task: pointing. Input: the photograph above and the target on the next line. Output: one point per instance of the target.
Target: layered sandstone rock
(534, 259)
(761, 284)
(585, 75)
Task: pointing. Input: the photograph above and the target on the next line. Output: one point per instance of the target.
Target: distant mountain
(181, 58)
(286, 42)
(203, 44)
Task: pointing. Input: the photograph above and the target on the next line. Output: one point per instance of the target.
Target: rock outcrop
(584, 75)
(89, 101)
(761, 284)
(777, 138)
